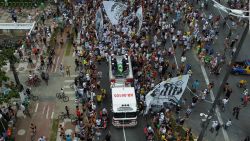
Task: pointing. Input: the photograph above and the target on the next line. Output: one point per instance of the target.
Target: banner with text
(166, 92)
(114, 10)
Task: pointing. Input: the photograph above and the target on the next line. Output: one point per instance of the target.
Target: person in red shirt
(78, 112)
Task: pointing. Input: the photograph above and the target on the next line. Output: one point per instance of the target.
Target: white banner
(16, 25)
(169, 91)
(99, 24)
(114, 10)
(139, 15)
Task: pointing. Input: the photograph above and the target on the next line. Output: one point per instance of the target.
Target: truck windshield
(125, 115)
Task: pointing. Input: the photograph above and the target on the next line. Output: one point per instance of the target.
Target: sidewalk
(41, 116)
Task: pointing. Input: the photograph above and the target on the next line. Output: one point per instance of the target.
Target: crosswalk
(44, 110)
(67, 89)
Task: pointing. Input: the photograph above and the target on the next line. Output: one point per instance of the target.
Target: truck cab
(124, 107)
(242, 67)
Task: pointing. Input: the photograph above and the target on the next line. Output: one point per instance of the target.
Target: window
(125, 115)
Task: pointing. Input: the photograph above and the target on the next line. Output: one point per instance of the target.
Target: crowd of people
(170, 27)
(177, 25)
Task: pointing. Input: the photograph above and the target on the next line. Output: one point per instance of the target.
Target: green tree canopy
(7, 49)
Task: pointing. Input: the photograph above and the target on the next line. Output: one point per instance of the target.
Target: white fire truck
(124, 106)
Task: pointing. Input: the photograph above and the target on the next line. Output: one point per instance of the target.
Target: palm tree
(7, 49)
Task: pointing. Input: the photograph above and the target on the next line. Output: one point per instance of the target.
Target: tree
(7, 55)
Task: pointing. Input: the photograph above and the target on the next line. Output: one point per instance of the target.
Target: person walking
(46, 77)
(217, 128)
(228, 124)
(213, 127)
(195, 85)
(77, 63)
(236, 112)
(62, 131)
(224, 102)
(32, 132)
(68, 138)
(61, 68)
(21, 111)
(42, 138)
(68, 71)
(67, 111)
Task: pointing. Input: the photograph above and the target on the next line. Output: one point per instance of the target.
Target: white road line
(224, 132)
(72, 98)
(69, 81)
(73, 76)
(47, 115)
(176, 62)
(54, 60)
(66, 86)
(56, 64)
(124, 134)
(69, 92)
(44, 109)
(52, 114)
(36, 107)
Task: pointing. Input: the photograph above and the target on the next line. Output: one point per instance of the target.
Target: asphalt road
(119, 134)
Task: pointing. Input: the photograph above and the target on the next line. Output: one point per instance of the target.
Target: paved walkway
(22, 17)
(41, 115)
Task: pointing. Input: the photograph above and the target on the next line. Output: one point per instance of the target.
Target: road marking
(44, 109)
(69, 92)
(224, 132)
(52, 114)
(69, 81)
(66, 86)
(72, 98)
(36, 107)
(124, 134)
(176, 62)
(54, 60)
(56, 64)
(47, 115)
(73, 76)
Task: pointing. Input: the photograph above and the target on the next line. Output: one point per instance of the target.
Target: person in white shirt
(98, 122)
(183, 59)
(228, 123)
(42, 138)
(214, 124)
